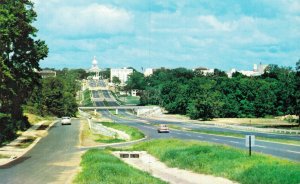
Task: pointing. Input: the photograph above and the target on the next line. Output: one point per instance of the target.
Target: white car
(66, 121)
(163, 129)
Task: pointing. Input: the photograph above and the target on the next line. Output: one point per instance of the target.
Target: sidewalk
(25, 142)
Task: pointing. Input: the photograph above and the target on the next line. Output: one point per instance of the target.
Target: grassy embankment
(237, 135)
(134, 133)
(87, 98)
(3, 156)
(33, 118)
(99, 166)
(87, 134)
(26, 142)
(127, 100)
(223, 161)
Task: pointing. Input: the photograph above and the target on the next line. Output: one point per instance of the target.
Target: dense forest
(183, 91)
(56, 96)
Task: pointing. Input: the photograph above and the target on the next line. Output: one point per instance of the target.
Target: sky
(163, 33)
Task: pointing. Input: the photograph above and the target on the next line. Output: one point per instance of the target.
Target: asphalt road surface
(287, 151)
(48, 161)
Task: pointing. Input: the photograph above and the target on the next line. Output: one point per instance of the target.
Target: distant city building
(95, 69)
(257, 71)
(148, 72)
(121, 73)
(204, 70)
(47, 73)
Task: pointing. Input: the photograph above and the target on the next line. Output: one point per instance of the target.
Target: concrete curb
(26, 150)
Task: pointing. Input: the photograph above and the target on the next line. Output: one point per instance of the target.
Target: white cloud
(91, 20)
(213, 22)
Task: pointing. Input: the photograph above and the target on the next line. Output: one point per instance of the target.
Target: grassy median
(224, 161)
(134, 133)
(3, 156)
(237, 135)
(99, 166)
(88, 138)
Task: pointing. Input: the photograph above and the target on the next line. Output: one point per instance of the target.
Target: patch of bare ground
(86, 136)
(148, 163)
(68, 175)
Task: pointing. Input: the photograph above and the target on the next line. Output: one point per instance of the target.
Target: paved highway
(50, 161)
(291, 152)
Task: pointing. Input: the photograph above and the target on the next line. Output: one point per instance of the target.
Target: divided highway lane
(50, 161)
(217, 129)
(291, 152)
(277, 149)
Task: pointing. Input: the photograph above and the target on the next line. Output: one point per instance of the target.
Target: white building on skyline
(257, 71)
(148, 72)
(121, 73)
(95, 69)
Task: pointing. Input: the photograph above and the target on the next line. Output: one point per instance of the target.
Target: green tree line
(56, 96)
(184, 91)
(21, 86)
(20, 53)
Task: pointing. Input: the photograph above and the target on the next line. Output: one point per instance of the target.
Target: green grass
(127, 100)
(87, 98)
(237, 135)
(107, 139)
(223, 161)
(130, 100)
(99, 166)
(26, 142)
(88, 134)
(134, 133)
(243, 136)
(3, 156)
(115, 96)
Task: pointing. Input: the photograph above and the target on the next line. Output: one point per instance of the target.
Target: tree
(135, 81)
(20, 52)
(105, 74)
(116, 81)
(205, 102)
(297, 94)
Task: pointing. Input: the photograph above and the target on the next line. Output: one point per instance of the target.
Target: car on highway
(163, 129)
(66, 120)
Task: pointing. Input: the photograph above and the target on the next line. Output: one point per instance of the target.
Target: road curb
(26, 150)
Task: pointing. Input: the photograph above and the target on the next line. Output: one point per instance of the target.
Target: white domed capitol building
(95, 69)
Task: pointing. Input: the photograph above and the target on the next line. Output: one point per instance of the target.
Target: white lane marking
(215, 139)
(293, 151)
(234, 142)
(259, 146)
(199, 136)
(179, 133)
(188, 135)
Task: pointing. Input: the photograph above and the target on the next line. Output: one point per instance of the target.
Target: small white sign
(248, 137)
